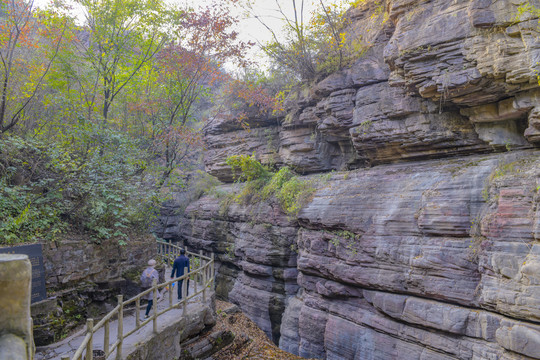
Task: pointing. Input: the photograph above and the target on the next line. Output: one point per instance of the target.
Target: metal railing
(203, 271)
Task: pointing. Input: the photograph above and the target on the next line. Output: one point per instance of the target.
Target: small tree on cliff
(311, 45)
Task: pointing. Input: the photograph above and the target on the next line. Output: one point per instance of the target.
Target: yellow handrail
(168, 252)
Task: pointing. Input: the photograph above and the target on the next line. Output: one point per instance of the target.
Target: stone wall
(15, 323)
(425, 244)
(72, 261)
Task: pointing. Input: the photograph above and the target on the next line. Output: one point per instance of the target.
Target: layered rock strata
(425, 244)
(432, 259)
(256, 266)
(436, 78)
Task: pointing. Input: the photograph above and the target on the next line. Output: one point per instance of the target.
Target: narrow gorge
(421, 240)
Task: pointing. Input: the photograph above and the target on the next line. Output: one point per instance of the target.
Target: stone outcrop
(256, 267)
(439, 79)
(82, 280)
(15, 325)
(225, 136)
(425, 244)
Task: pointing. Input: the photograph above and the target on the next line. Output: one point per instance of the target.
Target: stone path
(69, 346)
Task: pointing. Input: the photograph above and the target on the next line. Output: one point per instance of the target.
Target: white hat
(152, 262)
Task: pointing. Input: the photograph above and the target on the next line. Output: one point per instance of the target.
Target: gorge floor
(250, 341)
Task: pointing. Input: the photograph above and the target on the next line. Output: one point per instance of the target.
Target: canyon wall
(423, 244)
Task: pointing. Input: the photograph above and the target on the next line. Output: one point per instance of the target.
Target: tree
(314, 46)
(25, 58)
(123, 35)
(296, 51)
(184, 73)
(193, 61)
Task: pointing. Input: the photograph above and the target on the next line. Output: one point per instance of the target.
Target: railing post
(203, 275)
(154, 297)
(169, 250)
(90, 345)
(185, 290)
(120, 335)
(196, 276)
(171, 294)
(138, 312)
(212, 272)
(106, 338)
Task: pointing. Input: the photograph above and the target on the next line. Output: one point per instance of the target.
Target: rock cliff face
(82, 280)
(424, 244)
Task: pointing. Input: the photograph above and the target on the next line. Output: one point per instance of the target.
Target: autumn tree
(183, 74)
(28, 47)
(310, 45)
(193, 61)
(119, 37)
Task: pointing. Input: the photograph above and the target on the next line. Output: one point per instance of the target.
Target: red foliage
(22, 69)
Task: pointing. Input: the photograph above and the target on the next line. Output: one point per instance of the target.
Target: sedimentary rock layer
(434, 259)
(425, 244)
(435, 78)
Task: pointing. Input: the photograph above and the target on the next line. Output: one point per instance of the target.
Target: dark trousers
(180, 288)
(149, 306)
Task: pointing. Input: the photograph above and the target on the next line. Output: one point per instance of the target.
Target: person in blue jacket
(179, 264)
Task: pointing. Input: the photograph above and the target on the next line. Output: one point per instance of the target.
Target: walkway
(68, 347)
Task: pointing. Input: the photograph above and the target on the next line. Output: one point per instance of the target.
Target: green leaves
(88, 180)
(250, 168)
(291, 191)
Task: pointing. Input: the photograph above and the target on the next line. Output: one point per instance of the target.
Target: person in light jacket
(147, 279)
(179, 264)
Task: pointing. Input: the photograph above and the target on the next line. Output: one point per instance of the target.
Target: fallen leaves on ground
(250, 341)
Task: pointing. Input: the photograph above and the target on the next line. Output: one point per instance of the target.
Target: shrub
(91, 180)
(277, 181)
(295, 194)
(291, 191)
(250, 168)
(30, 205)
